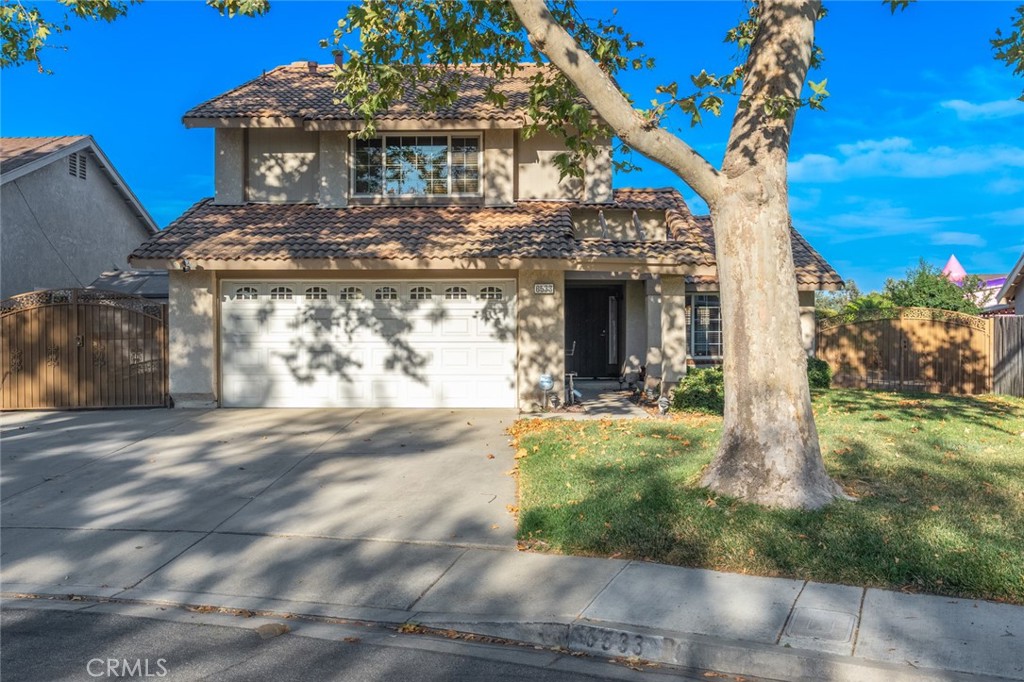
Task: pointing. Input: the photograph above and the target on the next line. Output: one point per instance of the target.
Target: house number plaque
(544, 288)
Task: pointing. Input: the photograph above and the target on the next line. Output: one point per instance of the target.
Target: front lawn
(940, 482)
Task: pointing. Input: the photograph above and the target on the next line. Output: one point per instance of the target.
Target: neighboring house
(987, 295)
(66, 215)
(1011, 294)
(442, 263)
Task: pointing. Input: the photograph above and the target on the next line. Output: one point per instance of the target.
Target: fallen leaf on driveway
(490, 456)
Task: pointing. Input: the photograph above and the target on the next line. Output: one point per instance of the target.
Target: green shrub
(701, 390)
(819, 374)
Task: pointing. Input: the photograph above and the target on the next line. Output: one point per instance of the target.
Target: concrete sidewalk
(770, 627)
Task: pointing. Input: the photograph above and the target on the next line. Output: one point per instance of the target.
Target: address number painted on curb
(614, 642)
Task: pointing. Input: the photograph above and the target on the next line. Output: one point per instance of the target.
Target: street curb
(597, 638)
(616, 640)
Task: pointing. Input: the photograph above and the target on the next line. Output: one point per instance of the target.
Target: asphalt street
(58, 645)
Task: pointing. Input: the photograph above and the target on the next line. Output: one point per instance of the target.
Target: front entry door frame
(595, 316)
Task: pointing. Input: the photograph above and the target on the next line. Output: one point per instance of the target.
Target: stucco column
(499, 168)
(229, 166)
(333, 190)
(808, 322)
(192, 299)
(636, 327)
(673, 331)
(653, 307)
(540, 331)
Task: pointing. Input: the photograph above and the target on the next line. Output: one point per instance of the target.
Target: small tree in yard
(926, 287)
(769, 452)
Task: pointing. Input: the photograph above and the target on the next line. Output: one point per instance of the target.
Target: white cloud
(1014, 216)
(1005, 186)
(957, 239)
(968, 111)
(879, 220)
(889, 144)
(896, 157)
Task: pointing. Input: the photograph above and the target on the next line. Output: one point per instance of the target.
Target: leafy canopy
(925, 286)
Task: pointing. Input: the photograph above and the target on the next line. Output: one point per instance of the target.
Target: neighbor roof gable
(20, 156)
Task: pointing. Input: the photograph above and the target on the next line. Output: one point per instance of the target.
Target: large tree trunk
(769, 453)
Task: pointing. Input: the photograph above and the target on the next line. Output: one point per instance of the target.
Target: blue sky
(920, 154)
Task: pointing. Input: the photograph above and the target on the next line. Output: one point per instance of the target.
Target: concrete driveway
(173, 477)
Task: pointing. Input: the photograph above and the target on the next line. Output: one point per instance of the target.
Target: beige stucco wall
(333, 169)
(808, 322)
(653, 357)
(537, 175)
(192, 349)
(62, 231)
(540, 330)
(229, 166)
(499, 168)
(636, 327)
(597, 181)
(618, 224)
(674, 326)
(283, 165)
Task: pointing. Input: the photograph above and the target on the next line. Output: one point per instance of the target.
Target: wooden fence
(81, 348)
(1008, 355)
(909, 349)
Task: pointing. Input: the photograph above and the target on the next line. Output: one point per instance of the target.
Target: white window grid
(491, 294)
(385, 293)
(460, 174)
(456, 293)
(247, 294)
(281, 294)
(351, 293)
(316, 294)
(421, 293)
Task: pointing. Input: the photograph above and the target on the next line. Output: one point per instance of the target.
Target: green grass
(939, 482)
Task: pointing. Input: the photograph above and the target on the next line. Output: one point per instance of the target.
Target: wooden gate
(909, 349)
(82, 348)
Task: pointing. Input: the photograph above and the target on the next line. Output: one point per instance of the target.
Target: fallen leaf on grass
(879, 417)
(934, 507)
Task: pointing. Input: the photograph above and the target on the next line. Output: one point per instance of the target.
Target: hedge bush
(703, 390)
(819, 374)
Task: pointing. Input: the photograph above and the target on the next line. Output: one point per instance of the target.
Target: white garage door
(368, 344)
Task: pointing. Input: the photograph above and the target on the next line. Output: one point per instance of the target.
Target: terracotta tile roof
(266, 232)
(15, 152)
(529, 230)
(292, 91)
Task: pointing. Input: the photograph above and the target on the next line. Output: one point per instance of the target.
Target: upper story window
(417, 165)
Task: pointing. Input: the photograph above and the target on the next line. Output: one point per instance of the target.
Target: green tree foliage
(925, 286)
(832, 303)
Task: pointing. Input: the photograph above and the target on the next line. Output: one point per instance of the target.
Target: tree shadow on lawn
(925, 521)
(979, 410)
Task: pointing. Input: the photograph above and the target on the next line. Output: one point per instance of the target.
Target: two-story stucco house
(66, 214)
(442, 263)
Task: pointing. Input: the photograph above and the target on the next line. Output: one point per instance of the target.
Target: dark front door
(592, 321)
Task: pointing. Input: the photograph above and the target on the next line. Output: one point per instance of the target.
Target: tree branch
(657, 144)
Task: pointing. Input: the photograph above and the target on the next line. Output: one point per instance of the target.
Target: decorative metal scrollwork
(17, 360)
(53, 356)
(99, 357)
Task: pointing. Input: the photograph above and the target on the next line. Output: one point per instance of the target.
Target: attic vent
(76, 165)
